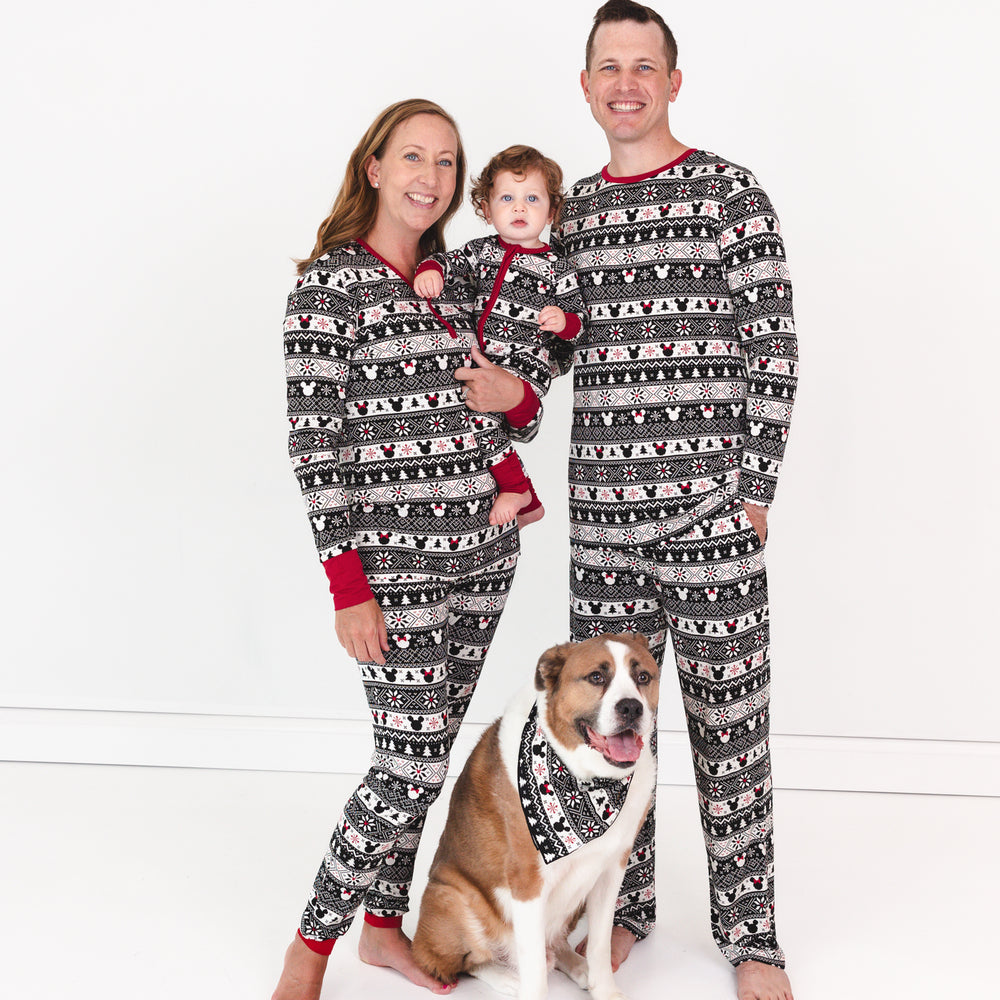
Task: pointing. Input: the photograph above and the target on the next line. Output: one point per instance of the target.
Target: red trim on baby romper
(348, 582)
(522, 414)
(533, 504)
(320, 947)
(573, 326)
(370, 918)
(651, 173)
(510, 476)
(391, 266)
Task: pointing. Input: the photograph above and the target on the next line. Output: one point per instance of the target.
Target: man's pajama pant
(439, 632)
(707, 588)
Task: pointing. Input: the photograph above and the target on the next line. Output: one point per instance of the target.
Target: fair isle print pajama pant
(439, 631)
(708, 590)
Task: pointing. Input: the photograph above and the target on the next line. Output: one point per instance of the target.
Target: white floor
(121, 882)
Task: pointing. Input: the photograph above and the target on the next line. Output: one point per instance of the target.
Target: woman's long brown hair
(356, 205)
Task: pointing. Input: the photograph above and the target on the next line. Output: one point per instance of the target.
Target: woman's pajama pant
(708, 589)
(439, 632)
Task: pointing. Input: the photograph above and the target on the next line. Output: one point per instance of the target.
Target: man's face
(629, 85)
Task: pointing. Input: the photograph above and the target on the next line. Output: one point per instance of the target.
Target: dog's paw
(499, 978)
(613, 994)
(573, 965)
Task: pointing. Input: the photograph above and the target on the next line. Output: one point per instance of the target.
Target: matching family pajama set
(505, 287)
(396, 477)
(683, 390)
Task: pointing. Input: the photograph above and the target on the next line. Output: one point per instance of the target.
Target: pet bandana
(563, 813)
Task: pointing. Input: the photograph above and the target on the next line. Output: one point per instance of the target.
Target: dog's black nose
(629, 709)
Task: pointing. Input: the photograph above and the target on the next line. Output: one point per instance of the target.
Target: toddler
(521, 293)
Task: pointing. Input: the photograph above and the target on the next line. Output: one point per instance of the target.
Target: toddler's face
(519, 208)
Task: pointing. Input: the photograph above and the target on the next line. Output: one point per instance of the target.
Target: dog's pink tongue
(622, 747)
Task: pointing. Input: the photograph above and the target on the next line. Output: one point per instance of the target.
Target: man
(683, 391)
(683, 388)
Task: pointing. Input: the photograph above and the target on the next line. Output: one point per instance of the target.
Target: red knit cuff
(510, 476)
(429, 265)
(370, 918)
(320, 947)
(522, 414)
(348, 582)
(573, 326)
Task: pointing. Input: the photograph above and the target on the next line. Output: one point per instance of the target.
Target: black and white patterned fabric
(506, 287)
(562, 812)
(392, 463)
(683, 391)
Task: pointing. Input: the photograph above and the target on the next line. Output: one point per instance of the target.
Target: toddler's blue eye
(505, 197)
(532, 197)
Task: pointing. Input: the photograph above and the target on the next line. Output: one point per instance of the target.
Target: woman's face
(416, 176)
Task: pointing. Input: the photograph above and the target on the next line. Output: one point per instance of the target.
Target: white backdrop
(164, 164)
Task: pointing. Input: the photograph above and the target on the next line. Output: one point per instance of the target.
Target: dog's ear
(549, 665)
(639, 638)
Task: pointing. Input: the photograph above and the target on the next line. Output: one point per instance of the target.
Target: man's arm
(754, 259)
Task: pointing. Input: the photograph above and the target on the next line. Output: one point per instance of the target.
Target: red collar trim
(364, 246)
(648, 174)
(519, 249)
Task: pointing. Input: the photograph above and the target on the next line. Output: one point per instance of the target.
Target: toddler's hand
(428, 284)
(552, 319)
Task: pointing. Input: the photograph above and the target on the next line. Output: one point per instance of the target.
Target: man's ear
(550, 665)
(585, 84)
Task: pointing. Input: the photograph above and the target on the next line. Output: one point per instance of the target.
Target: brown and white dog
(493, 908)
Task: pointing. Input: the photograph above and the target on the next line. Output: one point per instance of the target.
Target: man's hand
(488, 387)
(552, 319)
(758, 518)
(361, 631)
(428, 284)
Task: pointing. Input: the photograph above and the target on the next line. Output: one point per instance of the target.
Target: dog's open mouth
(619, 748)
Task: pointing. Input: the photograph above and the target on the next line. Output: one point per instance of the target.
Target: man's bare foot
(758, 981)
(622, 940)
(506, 506)
(302, 975)
(389, 948)
(533, 515)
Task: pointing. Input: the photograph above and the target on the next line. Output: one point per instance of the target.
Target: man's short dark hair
(627, 10)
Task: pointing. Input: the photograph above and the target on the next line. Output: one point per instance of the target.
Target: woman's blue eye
(444, 163)
(410, 156)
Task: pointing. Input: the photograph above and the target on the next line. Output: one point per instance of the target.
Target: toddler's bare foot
(302, 975)
(758, 981)
(622, 940)
(533, 515)
(506, 506)
(390, 948)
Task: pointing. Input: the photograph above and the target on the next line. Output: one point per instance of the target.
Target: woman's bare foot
(622, 940)
(302, 975)
(533, 515)
(757, 981)
(390, 948)
(506, 506)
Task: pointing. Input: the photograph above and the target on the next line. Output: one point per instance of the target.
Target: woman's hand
(361, 631)
(488, 387)
(428, 284)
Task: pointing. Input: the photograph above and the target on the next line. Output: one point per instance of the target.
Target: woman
(399, 492)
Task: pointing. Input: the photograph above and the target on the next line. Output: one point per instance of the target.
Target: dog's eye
(596, 677)
(643, 678)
